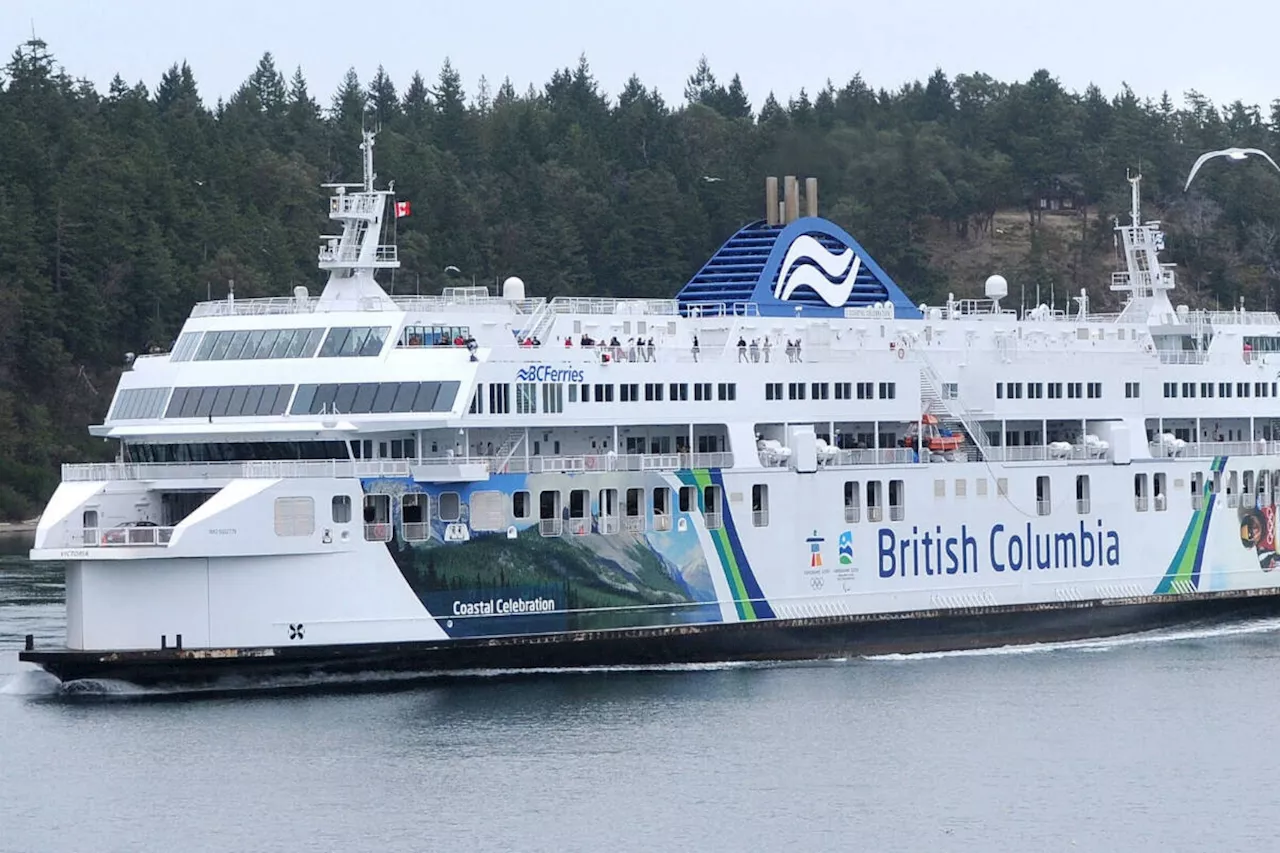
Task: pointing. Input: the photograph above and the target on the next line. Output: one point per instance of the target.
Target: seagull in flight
(711, 180)
(1230, 154)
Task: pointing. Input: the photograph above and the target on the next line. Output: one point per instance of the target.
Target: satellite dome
(513, 288)
(997, 287)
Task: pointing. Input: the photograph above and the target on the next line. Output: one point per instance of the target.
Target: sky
(1221, 50)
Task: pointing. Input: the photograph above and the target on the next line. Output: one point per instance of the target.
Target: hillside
(120, 209)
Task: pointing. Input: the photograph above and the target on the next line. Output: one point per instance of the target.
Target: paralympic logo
(810, 264)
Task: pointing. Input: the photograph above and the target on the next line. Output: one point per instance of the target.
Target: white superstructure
(788, 439)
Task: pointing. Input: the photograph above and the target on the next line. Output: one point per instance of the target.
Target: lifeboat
(935, 439)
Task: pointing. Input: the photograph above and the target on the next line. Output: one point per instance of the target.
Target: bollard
(164, 641)
(177, 642)
(31, 642)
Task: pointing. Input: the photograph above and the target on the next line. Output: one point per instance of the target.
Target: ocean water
(1154, 742)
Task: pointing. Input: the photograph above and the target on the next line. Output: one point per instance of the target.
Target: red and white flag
(402, 209)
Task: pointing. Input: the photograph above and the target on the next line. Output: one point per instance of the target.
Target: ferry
(788, 460)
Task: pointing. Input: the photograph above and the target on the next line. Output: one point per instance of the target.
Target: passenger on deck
(755, 350)
(791, 350)
(767, 347)
(568, 343)
(742, 349)
(650, 351)
(798, 358)
(694, 349)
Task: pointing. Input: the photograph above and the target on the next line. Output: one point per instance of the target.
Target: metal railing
(415, 531)
(661, 521)
(125, 536)
(386, 253)
(760, 518)
(1140, 503)
(609, 305)
(1082, 506)
(1199, 449)
(633, 524)
(713, 520)
(609, 524)
(852, 514)
(578, 526)
(550, 526)
(377, 532)
(1044, 507)
(875, 513)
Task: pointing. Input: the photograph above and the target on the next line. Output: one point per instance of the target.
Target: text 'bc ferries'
(789, 459)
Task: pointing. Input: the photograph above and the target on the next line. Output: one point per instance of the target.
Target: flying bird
(1230, 154)
(711, 180)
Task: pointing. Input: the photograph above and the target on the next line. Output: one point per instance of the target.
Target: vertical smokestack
(810, 196)
(791, 188)
(771, 200)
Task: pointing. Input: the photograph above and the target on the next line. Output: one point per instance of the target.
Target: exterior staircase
(951, 413)
(503, 452)
(539, 322)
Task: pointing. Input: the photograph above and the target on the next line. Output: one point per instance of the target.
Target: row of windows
(822, 390)
(228, 401)
(1191, 390)
(871, 495)
(235, 451)
(354, 341)
(1074, 390)
(361, 398)
(498, 396)
(245, 344)
(138, 403)
(433, 336)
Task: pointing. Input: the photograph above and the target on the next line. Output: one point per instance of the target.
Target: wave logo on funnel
(810, 264)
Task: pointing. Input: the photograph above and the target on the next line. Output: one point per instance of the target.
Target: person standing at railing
(649, 350)
(742, 349)
(767, 347)
(694, 349)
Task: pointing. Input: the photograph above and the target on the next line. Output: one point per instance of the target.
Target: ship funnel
(810, 196)
(771, 200)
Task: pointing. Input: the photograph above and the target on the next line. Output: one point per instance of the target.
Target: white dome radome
(997, 287)
(513, 288)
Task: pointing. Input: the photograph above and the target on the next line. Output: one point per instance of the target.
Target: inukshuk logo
(808, 263)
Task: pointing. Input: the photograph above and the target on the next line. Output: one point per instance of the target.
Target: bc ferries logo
(547, 373)
(810, 264)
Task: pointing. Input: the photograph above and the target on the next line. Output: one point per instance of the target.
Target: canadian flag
(402, 209)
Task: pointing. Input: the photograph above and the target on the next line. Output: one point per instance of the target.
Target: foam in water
(1106, 644)
(31, 681)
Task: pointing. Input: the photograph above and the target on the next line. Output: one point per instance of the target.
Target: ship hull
(764, 640)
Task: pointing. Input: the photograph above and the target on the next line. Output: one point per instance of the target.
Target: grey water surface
(1160, 742)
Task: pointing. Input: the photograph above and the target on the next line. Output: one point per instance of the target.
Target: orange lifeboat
(934, 438)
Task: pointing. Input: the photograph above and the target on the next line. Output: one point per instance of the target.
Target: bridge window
(138, 403)
(363, 398)
(260, 344)
(349, 341)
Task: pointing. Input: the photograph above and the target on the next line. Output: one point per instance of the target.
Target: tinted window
(354, 341)
(333, 343)
(404, 397)
(302, 401)
(281, 344)
(373, 344)
(253, 398)
(427, 393)
(236, 406)
(266, 343)
(386, 396)
(323, 400)
(345, 397)
(220, 401)
(205, 406)
(364, 397)
(299, 344)
(448, 392)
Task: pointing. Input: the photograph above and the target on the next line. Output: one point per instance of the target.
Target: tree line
(120, 209)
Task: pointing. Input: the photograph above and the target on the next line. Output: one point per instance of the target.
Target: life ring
(902, 353)
(590, 463)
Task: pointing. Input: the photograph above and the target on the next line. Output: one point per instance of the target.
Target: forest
(120, 209)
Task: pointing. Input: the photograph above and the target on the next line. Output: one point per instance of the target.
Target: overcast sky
(1226, 52)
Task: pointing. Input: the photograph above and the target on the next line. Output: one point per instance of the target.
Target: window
(1140, 493)
(353, 341)
(999, 390)
(477, 400)
(939, 488)
(604, 393)
(139, 403)
(1013, 390)
(526, 398)
(888, 390)
(962, 488)
(295, 516)
(773, 390)
(1075, 390)
(340, 510)
(1170, 389)
(795, 390)
(760, 505)
(701, 391)
(687, 497)
(951, 390)
(1159, 491)
(549, 521)
(234, 401)
(653, 392)
(1132, 390)
(377, 518)
(1242, 389)
(1055, 390)
(579, 512)
(499, 398)
(1206, 389)
(819, 391)
(1083, 503)
(1035, 390)
(521, 505)
(552, 397)
(449, 507)
(1095, 390)
(1188, 389)
(844, 390)
(432, 336)
(629, 392)
(875, 501)
(1044, 504)
(727, 390)
(711, 511)
(414, 513)
(897, 507)
(851, 501)
(1224, 389)
(661, 508)
(866, 391)
(633, 510)
(240, 346)
(679, 392)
